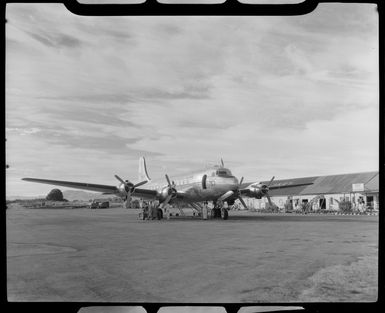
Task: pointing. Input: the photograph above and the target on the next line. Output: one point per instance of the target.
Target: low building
(324, 192)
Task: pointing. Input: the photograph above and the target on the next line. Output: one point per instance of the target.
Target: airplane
(216, 184)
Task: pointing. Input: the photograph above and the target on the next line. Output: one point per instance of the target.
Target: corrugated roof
(289, 191)
(337, 183)
(323, 184)
(372, 185)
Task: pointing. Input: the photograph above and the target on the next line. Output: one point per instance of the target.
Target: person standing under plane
(153, 210)
(167, 211)
(147, 210)
(149, 204)
(204, 211)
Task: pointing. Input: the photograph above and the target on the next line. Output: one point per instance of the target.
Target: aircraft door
(204, 182)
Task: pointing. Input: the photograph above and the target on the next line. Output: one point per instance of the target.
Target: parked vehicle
(99, 204)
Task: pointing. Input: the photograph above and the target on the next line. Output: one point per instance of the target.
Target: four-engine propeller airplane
(215, 184)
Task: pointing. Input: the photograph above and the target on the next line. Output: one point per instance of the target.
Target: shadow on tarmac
(279, 218)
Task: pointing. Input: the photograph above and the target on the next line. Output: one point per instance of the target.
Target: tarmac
(109, 255)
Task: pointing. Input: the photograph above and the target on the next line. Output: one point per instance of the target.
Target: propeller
(171, 191)
(129, 187)
(262, 189)
(265, 188)
(237, 195)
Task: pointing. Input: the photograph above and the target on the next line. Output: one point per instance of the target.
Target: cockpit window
(223, 173)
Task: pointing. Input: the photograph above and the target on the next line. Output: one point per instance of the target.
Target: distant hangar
(325, 192)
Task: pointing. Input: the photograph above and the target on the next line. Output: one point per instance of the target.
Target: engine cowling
(165, 192)
(258, 191)
(125, 188)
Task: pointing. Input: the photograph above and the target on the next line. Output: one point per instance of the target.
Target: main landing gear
(219, 212)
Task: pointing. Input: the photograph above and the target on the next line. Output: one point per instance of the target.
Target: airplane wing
(261, 189)
(145, 193)
(85, 186)
(246, 190)
(106, 189)
(288, 186)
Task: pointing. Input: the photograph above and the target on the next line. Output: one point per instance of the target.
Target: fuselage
(206, 185)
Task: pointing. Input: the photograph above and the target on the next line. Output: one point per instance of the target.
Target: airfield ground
(110, 255)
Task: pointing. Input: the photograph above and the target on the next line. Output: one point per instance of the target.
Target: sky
(285, 96)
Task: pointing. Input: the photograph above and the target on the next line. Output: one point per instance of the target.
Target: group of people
(215, 211)
(150, 210)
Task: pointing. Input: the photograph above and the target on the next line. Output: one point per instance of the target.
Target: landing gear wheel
(225, 214)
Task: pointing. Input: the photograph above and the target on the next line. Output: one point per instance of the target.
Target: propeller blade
(240, 182)
(119, 179)
(268, 199)
(140, 184)
(127, 201)
(243, 203)
(223, 164)
(165, 202)
(270, 181)
(168, 180)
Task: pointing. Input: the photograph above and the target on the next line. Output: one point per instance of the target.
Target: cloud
(57, 40)
(23, 132)
(268, 94)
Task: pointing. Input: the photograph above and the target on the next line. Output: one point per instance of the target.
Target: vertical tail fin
(142, 173)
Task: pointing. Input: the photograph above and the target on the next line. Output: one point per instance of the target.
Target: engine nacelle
(258, 191)
(125, 188)
(165, 192)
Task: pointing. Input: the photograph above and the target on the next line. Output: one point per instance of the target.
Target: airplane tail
(142, 173)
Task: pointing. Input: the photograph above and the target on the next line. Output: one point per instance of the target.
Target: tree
(345, 206)
(55, 195)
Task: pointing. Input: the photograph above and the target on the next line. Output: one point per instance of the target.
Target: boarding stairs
(181, 211)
